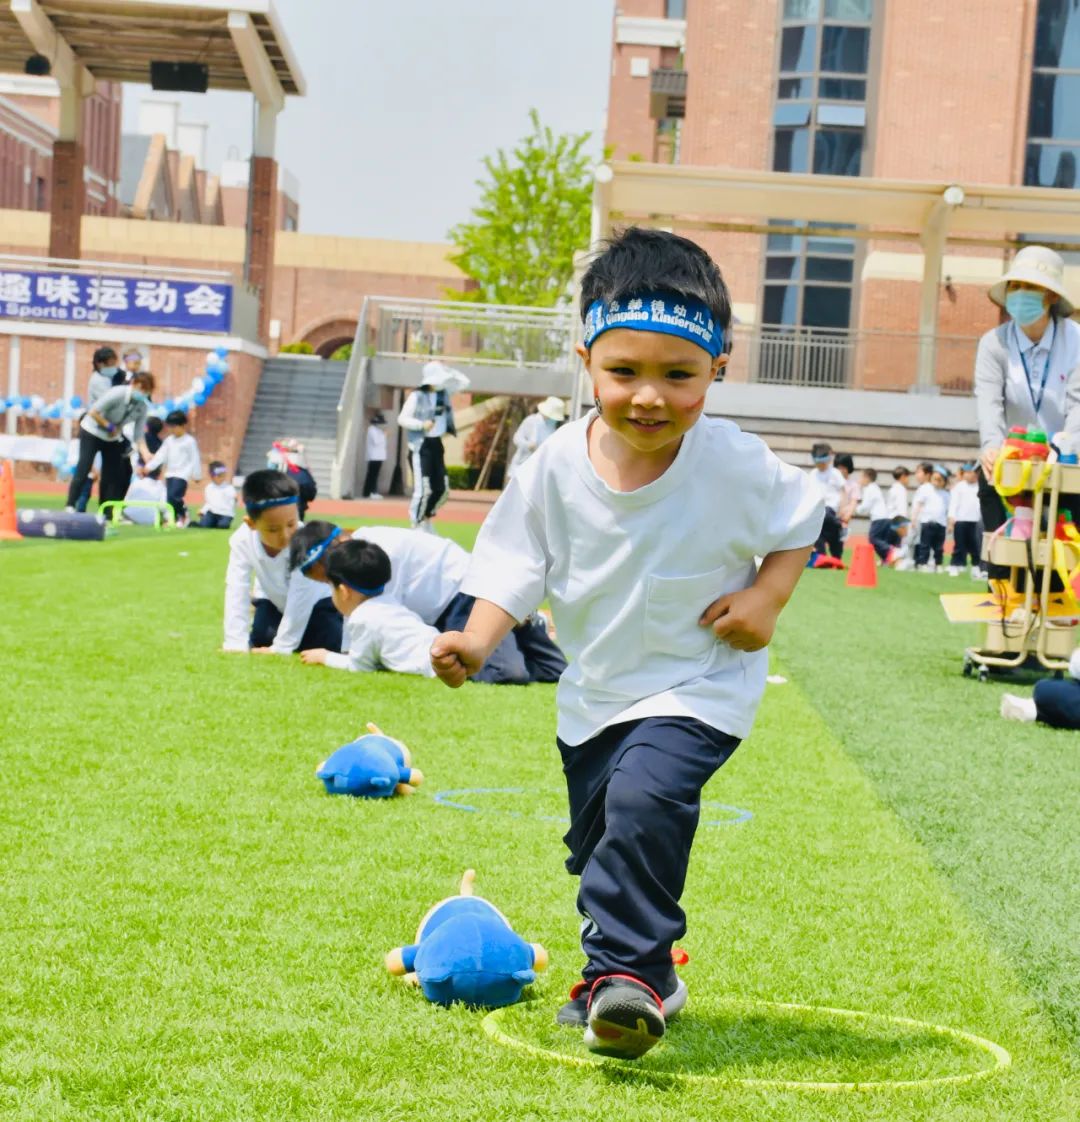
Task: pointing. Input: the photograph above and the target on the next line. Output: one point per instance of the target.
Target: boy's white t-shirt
(933, 504)
(897, 501)
(426, 571)
(382, 634)
(179, 455)
(291, 593)
(830, 485)
(628, 574)
(220, 498)
(964, 502)
(872, 503)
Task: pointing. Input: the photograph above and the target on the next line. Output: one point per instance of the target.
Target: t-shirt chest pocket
(674, 606)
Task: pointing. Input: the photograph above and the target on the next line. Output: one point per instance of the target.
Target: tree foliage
(533, 216)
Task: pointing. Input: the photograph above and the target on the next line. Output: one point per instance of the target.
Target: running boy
(291, 612)
(380, 632)
(640, 522)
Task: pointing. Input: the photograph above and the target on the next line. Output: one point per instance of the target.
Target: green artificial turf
(192, 929)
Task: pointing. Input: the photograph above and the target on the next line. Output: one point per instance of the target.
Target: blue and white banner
(122, 301)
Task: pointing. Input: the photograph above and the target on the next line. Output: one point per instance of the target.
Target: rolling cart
(1033, 623)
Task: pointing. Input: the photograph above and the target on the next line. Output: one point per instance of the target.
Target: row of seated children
(374, 600)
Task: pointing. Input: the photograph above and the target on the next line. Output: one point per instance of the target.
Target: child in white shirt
(930, 513)
(380, 632)
(219, 500)
(375, 449)
(873, 506)
(964, 520)
(291, 612)
(149, 489)
(829, 484)
(179, 456)
(641, 523)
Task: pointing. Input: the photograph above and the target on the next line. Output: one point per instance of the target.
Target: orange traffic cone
(863, 571)
(9, 529)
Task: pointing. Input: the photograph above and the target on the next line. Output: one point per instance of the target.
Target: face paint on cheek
(696, 406)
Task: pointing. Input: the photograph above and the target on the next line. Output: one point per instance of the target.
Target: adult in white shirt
(375, 454)
(380, 632)
(829, 486)
(534, 430)
(427, 417)
(1027, 370)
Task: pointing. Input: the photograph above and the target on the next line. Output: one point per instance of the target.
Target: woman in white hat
(534, 430)
(1027, 370)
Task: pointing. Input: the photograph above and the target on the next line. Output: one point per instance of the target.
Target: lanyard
(1037, 401)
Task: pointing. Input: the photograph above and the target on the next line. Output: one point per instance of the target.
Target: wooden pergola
(930, 214)
(240, 42)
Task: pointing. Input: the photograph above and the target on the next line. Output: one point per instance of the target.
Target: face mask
(1025, 307)
(138, 395)
(109, 371)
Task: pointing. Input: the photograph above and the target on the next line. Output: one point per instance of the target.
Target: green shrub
(342, 354)
(461, 476)
(299, 348)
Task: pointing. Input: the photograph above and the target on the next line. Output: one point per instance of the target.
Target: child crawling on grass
(641, 522)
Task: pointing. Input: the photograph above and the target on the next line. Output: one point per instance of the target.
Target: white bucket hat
(552, 408)
(441, 377)
(1036, 264)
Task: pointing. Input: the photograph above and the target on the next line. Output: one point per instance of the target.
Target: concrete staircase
(297, 396)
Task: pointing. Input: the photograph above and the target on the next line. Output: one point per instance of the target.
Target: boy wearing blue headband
(641, 523)
(380, 632)
(291, 612)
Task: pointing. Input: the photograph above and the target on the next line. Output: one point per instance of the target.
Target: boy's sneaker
(953, 571)
(576, 1011)
(1015, 708)
(626, 1018)
(978, 574)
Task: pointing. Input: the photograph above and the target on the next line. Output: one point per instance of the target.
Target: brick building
(29, 115)
(972, 92)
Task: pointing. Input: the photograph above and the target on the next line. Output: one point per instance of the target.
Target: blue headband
(660, 312)
(364, 591)
(265, 504)
(317, 550)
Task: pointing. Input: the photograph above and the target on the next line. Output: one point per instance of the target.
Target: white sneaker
(979, 574)
(69, 510)
(904, 565)
(1015, 708)
(931, 566)
(953, 571)
(374, 498)
(426, 527)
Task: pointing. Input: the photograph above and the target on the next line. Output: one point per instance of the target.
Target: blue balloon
(212, 377)
(215, 366)
(200, 399)
(170, 404)
(3, 406)
(76, 402)
(25, 402)
(221, 352)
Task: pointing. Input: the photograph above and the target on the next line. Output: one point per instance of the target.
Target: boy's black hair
(177, 417)
(900, 471)
(820, 449)
(358, 564)
(843, 460)
(216, 465)
(926, 466)
(103, 355)
(310, 534)
(154, 424)
(871, 474)
(266, 485)
(636, 261)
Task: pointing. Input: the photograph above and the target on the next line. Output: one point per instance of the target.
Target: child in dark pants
(659, 605)
(1054, 702)
(219, 500)
(179, 456)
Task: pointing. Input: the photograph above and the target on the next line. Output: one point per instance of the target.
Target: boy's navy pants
(635, 799)
(1057, 703)
(324, 628)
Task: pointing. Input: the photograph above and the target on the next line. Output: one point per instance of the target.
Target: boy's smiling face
(651, 386)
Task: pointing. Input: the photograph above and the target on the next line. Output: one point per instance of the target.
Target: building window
(1053, 149)
(675, 9)
(819, 127)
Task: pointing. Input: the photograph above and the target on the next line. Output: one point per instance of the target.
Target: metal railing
(86, 267)
(477, 334)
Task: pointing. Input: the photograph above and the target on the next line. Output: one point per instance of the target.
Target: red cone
(863, 571)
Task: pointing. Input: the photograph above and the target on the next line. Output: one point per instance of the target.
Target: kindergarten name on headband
(687, 318)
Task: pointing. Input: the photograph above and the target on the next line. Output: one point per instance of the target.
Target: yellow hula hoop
(492, 1025)
(1025, 475)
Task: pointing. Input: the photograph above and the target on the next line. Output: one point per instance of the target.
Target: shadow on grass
(774, 1043)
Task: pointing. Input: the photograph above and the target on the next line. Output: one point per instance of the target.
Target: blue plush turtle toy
(374, 766)
(466, 951)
